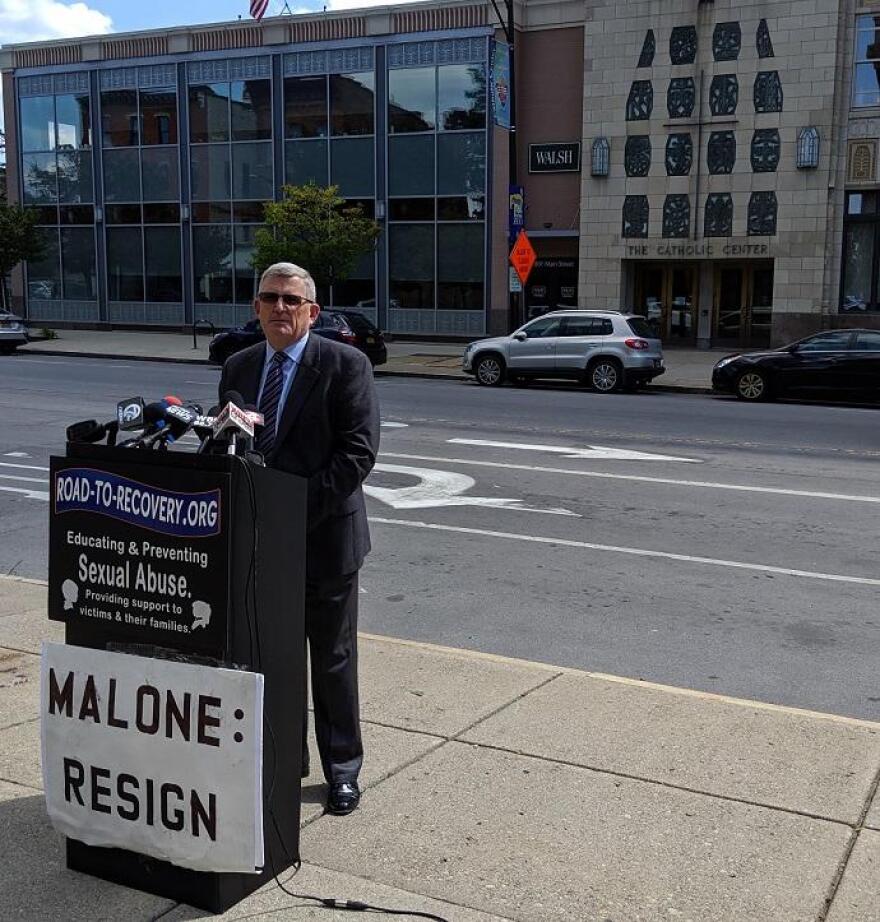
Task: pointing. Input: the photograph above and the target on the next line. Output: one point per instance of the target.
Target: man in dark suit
(322, 423)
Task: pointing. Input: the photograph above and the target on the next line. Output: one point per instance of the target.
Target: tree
(316, 229)
(19, 240)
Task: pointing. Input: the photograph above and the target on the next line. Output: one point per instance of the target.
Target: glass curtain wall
(329, 131)
(230, 134)
(57, 182)
(142, 196)
(436, 193)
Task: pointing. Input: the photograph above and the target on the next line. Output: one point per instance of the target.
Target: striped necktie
(269, 403)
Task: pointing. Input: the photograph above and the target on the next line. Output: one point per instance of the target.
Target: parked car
(607, 350)
(835, 361)
(13, 332)
(355, 330)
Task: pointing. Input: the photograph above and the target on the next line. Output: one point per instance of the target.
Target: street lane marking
(591, 452)
(23, 478)
(388, 424)
(30, 494)
(16, 454)
(632, 551)
(640, 478)
(441, 488)
(24, 467)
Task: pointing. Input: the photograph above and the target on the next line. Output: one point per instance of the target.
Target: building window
(676, 216)
(640, 102)
(681, 97)
(56, 167)
(726, 41)
(719, 215)
(679, 154)
(683, 45)
(412, 100)
(637, 155)
(724, 94)
(762, 214)
(436, 187)
(636, 211)
(861, 247)
(649, 48)
(766, 146)
(866, 80)
(721, 152)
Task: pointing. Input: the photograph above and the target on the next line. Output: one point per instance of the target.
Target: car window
(641, 327)
(359, 322)
(832, 341)
(586, 326)
(868, 342)
(543, 326)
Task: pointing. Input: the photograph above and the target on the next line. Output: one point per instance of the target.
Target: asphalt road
(682, 539)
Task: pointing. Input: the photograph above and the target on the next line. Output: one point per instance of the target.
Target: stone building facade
(719, 217)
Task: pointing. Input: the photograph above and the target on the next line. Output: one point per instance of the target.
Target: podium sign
(160, 757)
(142, 550)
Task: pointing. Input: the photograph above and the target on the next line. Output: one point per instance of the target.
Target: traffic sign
(523, 256)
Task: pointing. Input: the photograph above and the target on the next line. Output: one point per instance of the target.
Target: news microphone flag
(258, 8)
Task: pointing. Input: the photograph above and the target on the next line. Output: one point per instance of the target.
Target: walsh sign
(555, 158)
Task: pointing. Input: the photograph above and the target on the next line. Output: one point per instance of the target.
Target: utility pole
(508, 26)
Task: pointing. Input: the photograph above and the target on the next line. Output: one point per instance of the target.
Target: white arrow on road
(441, 488)
(591, 452)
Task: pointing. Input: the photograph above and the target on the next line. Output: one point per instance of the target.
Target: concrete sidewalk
(502, 789)
(688, 370)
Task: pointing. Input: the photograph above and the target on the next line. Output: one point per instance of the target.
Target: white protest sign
(157, 757)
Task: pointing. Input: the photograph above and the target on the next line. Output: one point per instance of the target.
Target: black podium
(233, 534)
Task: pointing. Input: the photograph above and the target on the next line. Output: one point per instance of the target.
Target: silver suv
(607, 350)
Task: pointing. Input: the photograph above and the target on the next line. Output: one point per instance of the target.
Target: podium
(189, 559)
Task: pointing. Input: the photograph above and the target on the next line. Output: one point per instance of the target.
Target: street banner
(516, 217)
(142, 550)
(499, 80)
(157, 757)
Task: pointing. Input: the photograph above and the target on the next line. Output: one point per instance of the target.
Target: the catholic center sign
(729, 248)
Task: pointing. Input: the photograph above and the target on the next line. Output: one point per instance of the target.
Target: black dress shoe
(344, 797)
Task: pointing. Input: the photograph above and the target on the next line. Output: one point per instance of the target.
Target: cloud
(38, 20)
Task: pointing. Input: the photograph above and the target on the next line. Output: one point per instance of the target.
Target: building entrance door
(743, 304)
(667, 296)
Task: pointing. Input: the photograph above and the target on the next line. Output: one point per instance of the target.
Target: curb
(379, 373)
(126, 358)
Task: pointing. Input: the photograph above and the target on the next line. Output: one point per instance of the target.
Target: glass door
(743, 305)
(667, 297)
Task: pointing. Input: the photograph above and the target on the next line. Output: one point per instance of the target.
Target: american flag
(258, 8)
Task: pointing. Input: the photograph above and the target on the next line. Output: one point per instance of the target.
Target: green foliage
(19, 237)
(314, 228)
(49, 333)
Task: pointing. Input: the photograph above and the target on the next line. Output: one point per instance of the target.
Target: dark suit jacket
(328, 433)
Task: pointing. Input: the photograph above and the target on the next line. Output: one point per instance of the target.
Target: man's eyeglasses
(270, 299)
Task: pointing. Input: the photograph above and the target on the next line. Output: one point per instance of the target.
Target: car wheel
(605, 375)
(489, 370)
(752, 385)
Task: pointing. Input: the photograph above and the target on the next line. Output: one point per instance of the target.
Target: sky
(34, 20)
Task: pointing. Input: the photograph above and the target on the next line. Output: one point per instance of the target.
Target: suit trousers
(331, 629)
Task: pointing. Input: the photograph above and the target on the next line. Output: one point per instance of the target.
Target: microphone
(153, 420)
(204, 428)
(232, 420)
(178, 421)
(130, 414)
(91, 431)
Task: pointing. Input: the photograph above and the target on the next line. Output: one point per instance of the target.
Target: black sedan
(345, 326)
(842, 362)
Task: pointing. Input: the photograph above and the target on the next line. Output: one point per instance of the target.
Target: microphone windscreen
(173, 401)
(89, 430)
(233, 397)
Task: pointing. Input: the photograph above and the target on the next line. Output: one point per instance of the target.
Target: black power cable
(254, 635)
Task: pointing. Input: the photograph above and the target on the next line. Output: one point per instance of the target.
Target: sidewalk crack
(848, 850)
